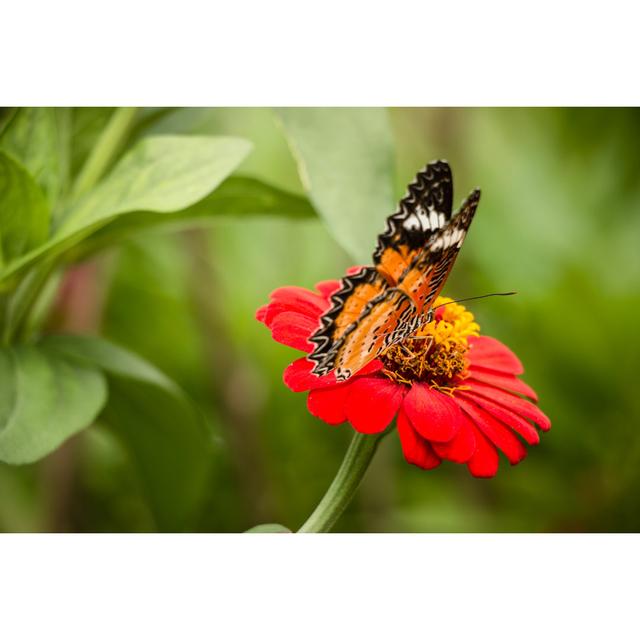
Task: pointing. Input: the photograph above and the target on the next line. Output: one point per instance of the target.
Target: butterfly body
(383, 304)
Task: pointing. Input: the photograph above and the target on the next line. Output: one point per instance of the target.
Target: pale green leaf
(24, 212)
(44, 399)
(270, 527)
(39, 138)
(113, 359)
(160, 175)
(236, 196)
(345, 160)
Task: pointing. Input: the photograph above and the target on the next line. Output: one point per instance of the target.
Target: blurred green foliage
(559, 221)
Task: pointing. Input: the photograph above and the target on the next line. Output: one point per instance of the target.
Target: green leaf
(39, 137)
(271, 527)
(113, 359)
(345, 161)
(24, 213)
(161, 175)
(245, 196)
(236, 196)
(44, 399)
(164, 432)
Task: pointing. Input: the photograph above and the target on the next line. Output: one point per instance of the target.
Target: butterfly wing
(424, 278)
(394, 315)
(382, 305)
(424, 210)
(354, 298)
(389, 319)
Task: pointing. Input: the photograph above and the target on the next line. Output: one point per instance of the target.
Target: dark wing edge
(455, 231)
(424, 209)
(326, 348)
(444, 246)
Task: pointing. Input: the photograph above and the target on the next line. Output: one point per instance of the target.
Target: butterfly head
(437, 353)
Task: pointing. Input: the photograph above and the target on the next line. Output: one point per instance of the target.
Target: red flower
(455, 394)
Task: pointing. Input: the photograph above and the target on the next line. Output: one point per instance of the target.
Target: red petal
(294, 329)
(329, 404)
(518, 424)
(301, 300)
(484, 462)
(274, 309)
(488, 352)
(498, 433)
(518, 405)
(294, 299)
(373, 403)
(416, 449)
(328, 287)
(351, 271)
(298, 377)
(261, 313)
(508, 382)
(435, 415)
(461, 447)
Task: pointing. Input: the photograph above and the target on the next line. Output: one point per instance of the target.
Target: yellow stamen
(436, 354)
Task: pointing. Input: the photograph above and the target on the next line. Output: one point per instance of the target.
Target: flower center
(436, 354)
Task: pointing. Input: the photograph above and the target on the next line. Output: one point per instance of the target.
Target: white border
(332, 586)
(335, 52)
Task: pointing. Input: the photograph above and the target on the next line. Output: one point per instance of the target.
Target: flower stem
(354, 465)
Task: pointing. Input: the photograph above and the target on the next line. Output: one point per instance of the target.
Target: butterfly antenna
(486, 295)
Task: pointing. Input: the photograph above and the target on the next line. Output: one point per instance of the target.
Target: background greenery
(559, 222)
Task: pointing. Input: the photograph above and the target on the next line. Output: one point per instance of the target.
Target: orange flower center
(436, 354)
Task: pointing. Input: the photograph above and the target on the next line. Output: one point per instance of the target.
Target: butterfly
(383, 304)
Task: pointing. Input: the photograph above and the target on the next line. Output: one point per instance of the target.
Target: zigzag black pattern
(324, 335)
(431, 188)
(443, 246)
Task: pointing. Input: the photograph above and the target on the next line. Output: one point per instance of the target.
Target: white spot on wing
(449, 238)
(423, 217)
(433, 218)
(411, 223)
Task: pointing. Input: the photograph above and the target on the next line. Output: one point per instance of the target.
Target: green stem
(355, 464)
(105, 149)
